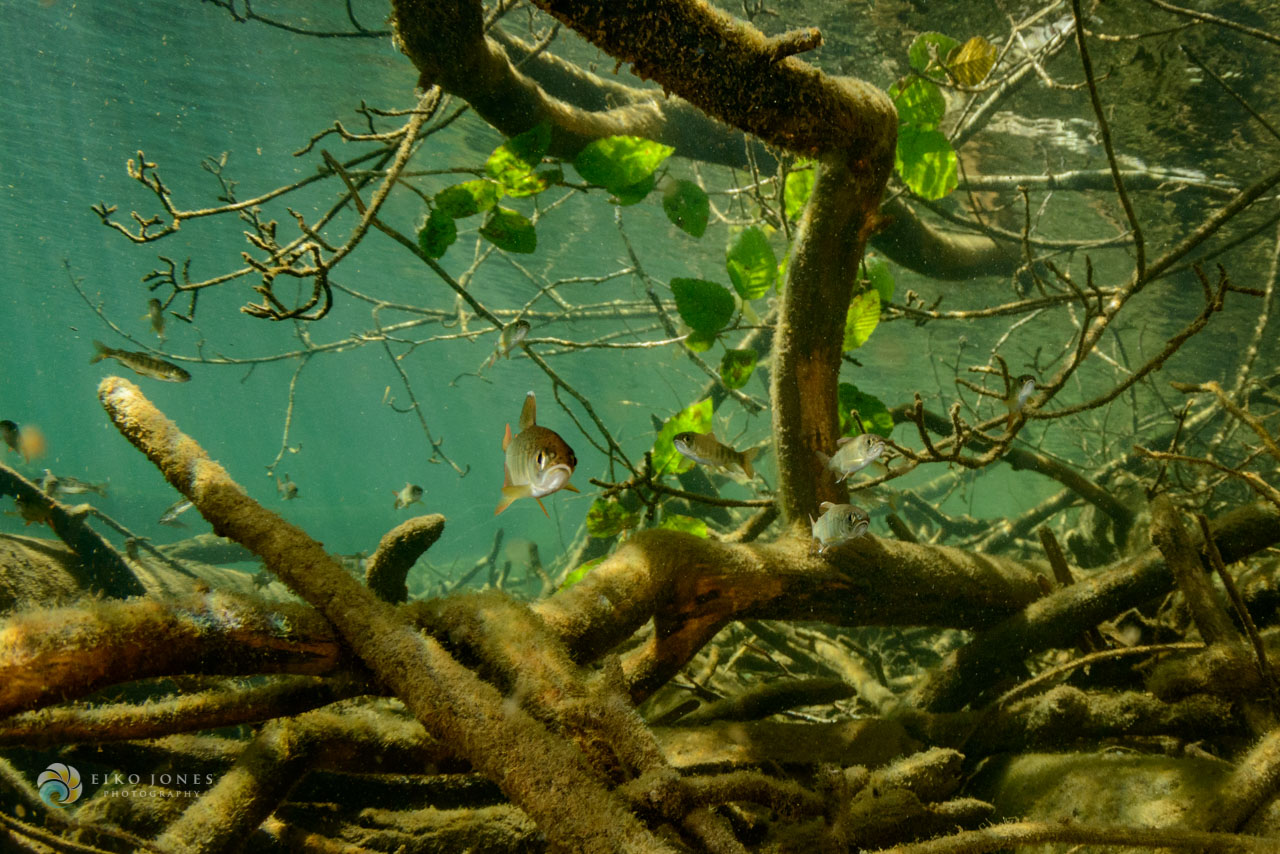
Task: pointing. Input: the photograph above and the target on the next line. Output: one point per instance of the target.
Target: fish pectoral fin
(843, 440)
(570, 487)
(509, 494)
(544, 507)
(825, 506)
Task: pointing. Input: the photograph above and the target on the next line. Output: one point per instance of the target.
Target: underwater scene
(640, 426)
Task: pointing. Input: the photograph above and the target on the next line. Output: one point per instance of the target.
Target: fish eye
(541, 458)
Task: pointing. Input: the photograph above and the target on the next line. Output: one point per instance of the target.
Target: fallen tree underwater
(502, 688)
(627, 713)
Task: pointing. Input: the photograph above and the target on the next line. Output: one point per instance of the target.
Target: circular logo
(59, 785)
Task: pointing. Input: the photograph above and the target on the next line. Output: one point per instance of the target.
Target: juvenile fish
(33, 512)
(155, 314)
(838, 524)
(706, 449)
(512, 335)
(1019, 393)
(66, 485)
(287, 488)
(411, 494)
(853, 454)
(143, 364)
(9, 433)
(171, 515)
(538, 462)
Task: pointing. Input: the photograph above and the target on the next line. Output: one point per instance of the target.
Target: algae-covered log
(535, 769)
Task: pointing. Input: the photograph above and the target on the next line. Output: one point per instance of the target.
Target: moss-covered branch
(532, 767)
(692, 587)
(62, 653)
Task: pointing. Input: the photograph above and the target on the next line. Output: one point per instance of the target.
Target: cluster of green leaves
(511, 170)
(708, 308)
(924, 159)
(623, 165)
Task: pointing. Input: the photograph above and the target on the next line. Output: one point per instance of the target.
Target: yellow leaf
(971, 62)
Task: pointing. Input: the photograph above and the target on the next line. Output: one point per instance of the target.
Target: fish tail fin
(100, 355)
(747, 456)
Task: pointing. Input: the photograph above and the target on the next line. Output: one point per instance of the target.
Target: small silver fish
(171, 515)
(512, 335)
(1020, 392)
(143, 364)
(287, 488)
(66, 485)
(838, 524)
(538, 462)
(155, 314)
(411, 494)
(853, 454)
(706, 449)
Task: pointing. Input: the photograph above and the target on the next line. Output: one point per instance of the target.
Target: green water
(91, 84)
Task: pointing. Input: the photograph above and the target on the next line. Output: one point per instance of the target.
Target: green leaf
(862, 319)
(972, 61)
(468, 199)
(796, 192)
(875, 415)
(513, 161)
(688, 524)
(617, 162)
(926, 162)
(633, 193)
(736, 367)
(880, 277)
(580, 573)
(919, 101)
(752, 265)
(705, 306)
(700, 342)
(696, 417)
(532, 183)
(609, 518)
(437, 234)
(508, 230)
(687, 206)
(926, 49)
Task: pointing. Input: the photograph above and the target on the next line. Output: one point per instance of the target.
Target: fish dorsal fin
(825, 506)
(844, 440)
(528, 412)
(506, 440)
